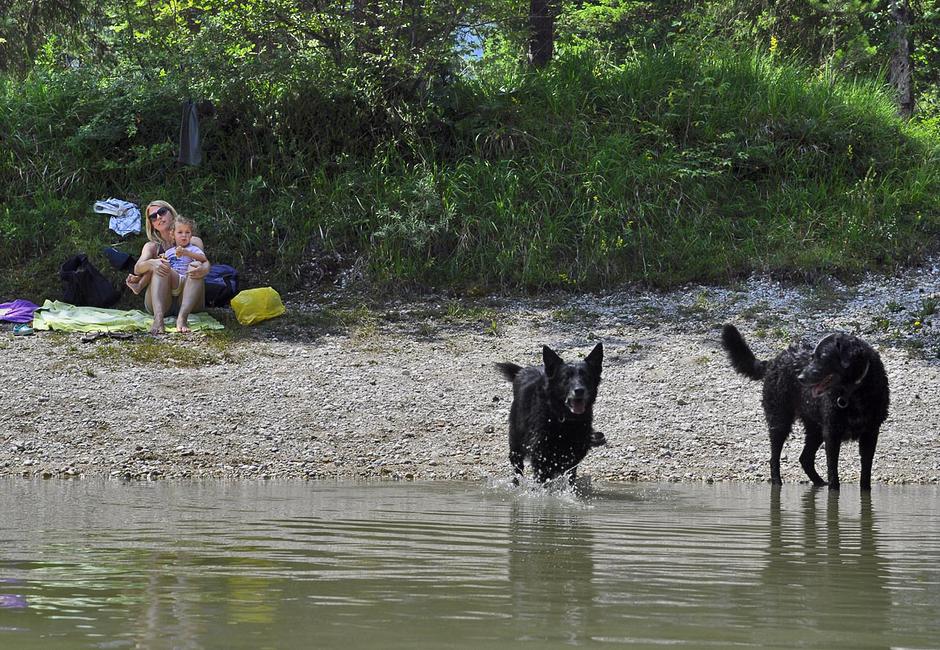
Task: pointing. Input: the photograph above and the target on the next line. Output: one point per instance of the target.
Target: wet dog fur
(838, 388)
(552, 412)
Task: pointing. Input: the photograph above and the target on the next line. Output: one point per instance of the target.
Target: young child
(184, 253)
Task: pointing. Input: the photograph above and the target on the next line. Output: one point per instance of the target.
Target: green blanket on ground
(63, 317)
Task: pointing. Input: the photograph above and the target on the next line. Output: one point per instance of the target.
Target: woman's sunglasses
(159, 213)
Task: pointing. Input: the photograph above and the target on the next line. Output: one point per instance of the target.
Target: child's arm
(197, 269)
(199, 257)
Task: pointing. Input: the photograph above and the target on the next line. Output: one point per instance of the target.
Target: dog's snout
(811, 374)
(579, 391)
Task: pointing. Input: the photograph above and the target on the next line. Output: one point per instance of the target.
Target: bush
(663, 168)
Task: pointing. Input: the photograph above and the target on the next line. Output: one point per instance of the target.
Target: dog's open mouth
(823, 386)
(577, 405)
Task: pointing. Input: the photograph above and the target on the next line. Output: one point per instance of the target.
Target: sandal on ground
(91, 337)
(120, 336)
(23, 329)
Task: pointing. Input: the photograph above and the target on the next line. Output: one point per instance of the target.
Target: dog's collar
(864, 372)
(842, 401)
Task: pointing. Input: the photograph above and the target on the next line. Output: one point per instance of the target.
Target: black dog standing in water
(838, 389)
(550, 420)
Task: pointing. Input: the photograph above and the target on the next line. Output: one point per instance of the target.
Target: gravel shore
(407, 389)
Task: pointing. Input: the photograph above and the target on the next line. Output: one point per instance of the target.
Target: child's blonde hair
(185, 221)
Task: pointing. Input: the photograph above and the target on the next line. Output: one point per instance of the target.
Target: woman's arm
(147, 253)
(149, 261)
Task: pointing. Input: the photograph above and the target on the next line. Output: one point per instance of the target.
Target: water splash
(554, 491)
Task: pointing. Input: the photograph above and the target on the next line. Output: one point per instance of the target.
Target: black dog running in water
(838, 389)
(550, 420)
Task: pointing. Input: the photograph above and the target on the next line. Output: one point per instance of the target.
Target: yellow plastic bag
(255, 305)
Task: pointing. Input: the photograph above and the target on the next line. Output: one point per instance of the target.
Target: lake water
(89, 564)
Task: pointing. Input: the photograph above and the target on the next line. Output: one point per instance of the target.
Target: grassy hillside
(663, 169)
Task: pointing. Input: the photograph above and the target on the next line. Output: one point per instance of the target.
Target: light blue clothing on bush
(125, 216)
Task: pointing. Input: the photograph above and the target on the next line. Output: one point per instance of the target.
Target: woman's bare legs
(192, 299)
(158, 300)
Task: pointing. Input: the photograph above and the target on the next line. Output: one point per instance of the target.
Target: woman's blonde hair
(152, 234)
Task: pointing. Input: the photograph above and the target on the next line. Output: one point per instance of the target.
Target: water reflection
(551, 566)
(824, 569)
(168, 616)
(11, 601)
(419, 566)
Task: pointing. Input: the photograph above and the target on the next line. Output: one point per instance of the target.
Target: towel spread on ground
(63, 317)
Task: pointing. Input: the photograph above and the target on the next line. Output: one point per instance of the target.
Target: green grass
(169, 353)
(574, 316)
(663, 169)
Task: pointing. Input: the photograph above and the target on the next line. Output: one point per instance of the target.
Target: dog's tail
(508, 370)
(740, 355)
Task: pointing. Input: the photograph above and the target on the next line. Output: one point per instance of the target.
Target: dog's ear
(845, 349)
(551, 360)
(596, 358)
(842, 345)
(823, 342)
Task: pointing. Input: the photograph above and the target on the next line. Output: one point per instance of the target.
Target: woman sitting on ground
(154, 272)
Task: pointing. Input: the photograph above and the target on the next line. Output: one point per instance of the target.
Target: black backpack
(221, 285)
(83, 284)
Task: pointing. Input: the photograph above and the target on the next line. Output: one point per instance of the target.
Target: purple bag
(18, 311)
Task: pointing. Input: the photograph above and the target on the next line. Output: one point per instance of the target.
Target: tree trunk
(901, 75)
(541, 32)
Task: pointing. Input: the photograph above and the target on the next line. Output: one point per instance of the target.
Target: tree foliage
(394, 51)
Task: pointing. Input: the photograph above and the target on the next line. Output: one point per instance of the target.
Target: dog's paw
(598, 439)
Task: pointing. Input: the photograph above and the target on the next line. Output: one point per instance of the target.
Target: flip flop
(91, 337)
(120, 336)
(23, 329)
